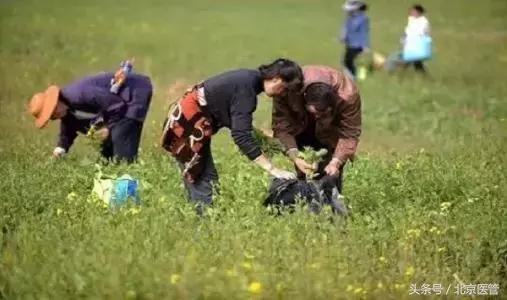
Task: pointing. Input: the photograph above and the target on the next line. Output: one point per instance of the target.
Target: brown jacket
(340, 131)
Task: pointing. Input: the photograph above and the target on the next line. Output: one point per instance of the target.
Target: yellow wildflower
(350, 288)
(445, 205)
(382, 259)
(58, 212)
(247, 265)
(409, 271)
(414, 232)
(358, 290)
(255, 287)
(175, 278)
(134, 210)
(71, 196)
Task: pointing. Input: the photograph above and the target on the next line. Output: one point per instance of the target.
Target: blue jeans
(200, 192)
(123, 140)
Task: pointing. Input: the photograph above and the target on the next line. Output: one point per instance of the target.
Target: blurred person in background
(325, 114)
(416, 42)
(355, 34)
(418, 26)
(89, 107)
(225, 100)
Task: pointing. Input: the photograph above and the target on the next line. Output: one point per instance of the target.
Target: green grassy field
(428, 192)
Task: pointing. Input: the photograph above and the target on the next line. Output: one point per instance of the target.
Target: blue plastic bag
(417, 48)
(125, 188)
(117, 192)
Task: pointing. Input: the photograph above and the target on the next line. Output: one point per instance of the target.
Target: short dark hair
(419, 8)
(363, 7)
(289, 71)
(320, 95)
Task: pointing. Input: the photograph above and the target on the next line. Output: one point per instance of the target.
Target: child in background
(355, 34)
(416, 42)
(418, 26)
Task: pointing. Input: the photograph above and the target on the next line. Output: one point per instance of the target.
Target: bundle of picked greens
(312, 156)
(96, 134)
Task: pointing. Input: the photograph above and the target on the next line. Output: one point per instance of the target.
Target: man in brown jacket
(326, 113)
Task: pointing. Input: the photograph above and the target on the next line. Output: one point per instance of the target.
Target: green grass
(427, 192)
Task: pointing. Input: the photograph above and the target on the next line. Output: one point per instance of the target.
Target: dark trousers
(123, 141)
(349, 59)
(395, 60)
(200, 192)
(308, 139)
(419, 66)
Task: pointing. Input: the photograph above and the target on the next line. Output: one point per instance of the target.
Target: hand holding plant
(309, 160)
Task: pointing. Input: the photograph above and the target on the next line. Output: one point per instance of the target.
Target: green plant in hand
(91, 132)
(313, 157)
(96, 135)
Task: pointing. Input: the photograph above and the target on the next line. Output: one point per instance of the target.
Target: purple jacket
(356, 31)
(91, 95)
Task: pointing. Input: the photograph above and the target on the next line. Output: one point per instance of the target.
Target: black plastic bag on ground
(286, 193)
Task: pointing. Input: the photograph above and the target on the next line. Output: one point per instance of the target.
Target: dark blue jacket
(232, 99)
(91, 95)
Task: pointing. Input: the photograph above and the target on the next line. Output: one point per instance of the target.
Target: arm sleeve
(349, 130)
(365, 33)
(280, 123)
(427, 28)
(242, 108)
(68, 133)
(343, 32)
(112, 107)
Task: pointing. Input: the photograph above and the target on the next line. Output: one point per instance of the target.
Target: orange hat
(43, 105)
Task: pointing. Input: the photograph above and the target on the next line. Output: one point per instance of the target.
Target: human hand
(304, 167)
(58, 152)
(101, 134)
(264, 163)
(282, 174)
(333, 167)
